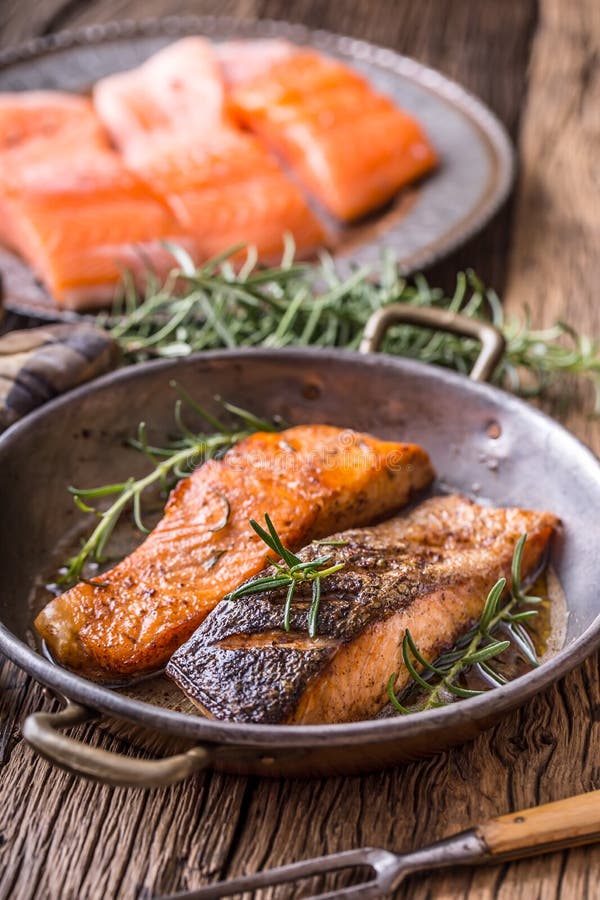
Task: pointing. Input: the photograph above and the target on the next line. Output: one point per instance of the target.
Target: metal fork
(542, 829)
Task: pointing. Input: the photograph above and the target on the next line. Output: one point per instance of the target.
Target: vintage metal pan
(482, 441)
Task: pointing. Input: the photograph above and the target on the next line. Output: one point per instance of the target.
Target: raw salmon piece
(36, 129)
(168, 118)
(82, 230)
(429, 571)
(311, 479)
(36, 125)
(348, 144)
(225, 190)
(69, 206)
(242, 61)
(180, 89)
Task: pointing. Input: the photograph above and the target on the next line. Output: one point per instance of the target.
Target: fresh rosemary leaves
(169, 464)
(437, 682)
(290, 573)
(215, 306)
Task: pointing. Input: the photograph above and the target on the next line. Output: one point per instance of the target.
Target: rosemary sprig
(215, 306)
(291, 572)
(477, 648)
(169, 464)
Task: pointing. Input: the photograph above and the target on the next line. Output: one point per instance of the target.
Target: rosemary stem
(433, 697)
(96, 542)
(213, 306)
(291, 572)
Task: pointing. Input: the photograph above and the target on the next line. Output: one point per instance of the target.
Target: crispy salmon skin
(429, 571)
(312, 479)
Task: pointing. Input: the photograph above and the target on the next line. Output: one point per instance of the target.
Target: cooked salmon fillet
(429, 571)
(68, 204)
(349, 145)
(168, 119)
(311, 479)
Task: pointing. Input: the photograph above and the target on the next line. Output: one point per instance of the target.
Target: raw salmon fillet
(36, 123)
(179, 89)
(348, 144)
(69, 206)
(226, 190)
(242, 61)
(311, 479)
(168, 118)
(429, 571)
(34, 126)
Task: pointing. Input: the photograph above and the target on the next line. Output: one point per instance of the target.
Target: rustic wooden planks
(63, 838)
(553, 266)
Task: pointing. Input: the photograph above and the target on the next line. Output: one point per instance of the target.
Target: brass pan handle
(42, 731)
(492, 341)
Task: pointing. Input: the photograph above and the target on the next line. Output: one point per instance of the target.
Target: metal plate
(422, 225)
(481, 440)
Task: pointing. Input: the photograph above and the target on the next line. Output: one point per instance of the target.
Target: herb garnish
(169, 464)
(478, 647)
(212, 306)
(292, 571)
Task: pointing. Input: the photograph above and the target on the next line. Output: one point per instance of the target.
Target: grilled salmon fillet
(311, 479)
(348, 144)
(429, 571)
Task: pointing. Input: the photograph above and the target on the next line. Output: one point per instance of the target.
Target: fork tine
(366, 890)
(320, 865)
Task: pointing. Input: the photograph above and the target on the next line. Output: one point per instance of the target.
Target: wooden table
(537, 65)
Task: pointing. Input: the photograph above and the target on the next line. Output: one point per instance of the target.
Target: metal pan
(482, 441)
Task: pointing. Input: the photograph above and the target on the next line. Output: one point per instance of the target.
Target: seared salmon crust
(311, 479)
(429, 571)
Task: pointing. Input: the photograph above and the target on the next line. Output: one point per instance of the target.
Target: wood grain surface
(538, 66)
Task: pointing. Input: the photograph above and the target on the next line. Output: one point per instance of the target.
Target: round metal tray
(422, 225)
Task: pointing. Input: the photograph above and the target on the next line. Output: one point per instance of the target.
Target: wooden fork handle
(566, 823)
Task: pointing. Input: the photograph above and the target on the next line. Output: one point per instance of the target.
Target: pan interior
(482, 442)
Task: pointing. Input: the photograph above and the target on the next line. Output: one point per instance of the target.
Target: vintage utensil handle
(42, 731)
(566, 823)
(492, 341)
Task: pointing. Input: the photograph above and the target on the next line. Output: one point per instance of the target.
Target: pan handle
(492, 341)
(41, 731)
